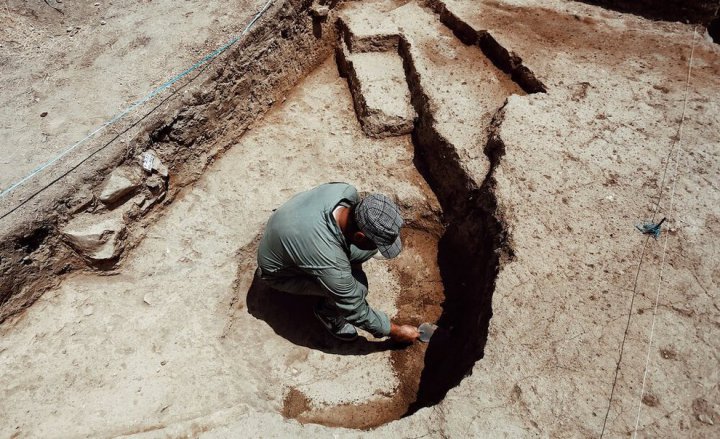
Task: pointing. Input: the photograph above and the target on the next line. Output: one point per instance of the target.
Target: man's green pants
(306, 285)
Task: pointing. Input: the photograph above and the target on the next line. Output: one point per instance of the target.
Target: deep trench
(473, 244)
(468, 252)
(692, 11)
(714, 30)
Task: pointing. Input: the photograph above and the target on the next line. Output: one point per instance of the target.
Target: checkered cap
(379, 218)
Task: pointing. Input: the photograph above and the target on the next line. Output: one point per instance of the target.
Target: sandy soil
(66, 73)
(596, 330)
(175, 333)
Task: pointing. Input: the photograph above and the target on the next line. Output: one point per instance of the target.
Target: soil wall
(185, 130)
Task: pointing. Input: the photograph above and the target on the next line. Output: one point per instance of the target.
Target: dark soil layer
(419, 302)
(692, 11)
(714, 30)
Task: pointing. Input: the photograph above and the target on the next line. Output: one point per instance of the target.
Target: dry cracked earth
(523, 140)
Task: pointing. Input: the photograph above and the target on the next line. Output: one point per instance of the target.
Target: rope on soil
(676, 140)
(205, 60)
(667, 237)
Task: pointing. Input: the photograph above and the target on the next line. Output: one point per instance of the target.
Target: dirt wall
(184, 130)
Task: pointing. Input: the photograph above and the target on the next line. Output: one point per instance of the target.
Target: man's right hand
(403, 333)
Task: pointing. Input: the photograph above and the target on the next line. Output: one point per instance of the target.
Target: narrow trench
(474, 244)
(470, 250)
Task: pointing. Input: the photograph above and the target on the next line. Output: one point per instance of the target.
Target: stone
(96, 237)
(705, 419)
(320, 11)
(151, 162)
(161, 169)
(155, 183)
(121, 182)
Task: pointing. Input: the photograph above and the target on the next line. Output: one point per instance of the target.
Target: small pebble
(705, 419)
(43, 114)
(103, 22)
(97, 4)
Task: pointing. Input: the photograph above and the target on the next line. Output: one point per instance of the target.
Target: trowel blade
(426, 331)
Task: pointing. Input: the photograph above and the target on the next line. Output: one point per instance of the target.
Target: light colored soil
(582, 166)
(83, 77)
(177, 341)
(171, 336)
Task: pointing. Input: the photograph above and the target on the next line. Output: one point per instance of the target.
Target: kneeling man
(315, 244)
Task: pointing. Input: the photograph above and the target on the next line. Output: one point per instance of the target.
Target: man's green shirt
(302, 238)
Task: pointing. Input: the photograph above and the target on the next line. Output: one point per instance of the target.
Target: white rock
(320, 11)
(161, 169)
(705, 419)
(151, 162)
(95, 236)
(121, 182)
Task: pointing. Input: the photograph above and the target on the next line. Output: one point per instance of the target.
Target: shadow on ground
(693, 11)
(291, 317)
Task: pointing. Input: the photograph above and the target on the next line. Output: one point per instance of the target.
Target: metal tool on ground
(651, 228)
(426, 331)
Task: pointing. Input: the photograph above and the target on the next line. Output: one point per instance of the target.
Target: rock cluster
(97, 230)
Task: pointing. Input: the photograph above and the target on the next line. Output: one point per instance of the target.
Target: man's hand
(404, 333)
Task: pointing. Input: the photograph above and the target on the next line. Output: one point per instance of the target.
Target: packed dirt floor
(65, 66)
(523, 140)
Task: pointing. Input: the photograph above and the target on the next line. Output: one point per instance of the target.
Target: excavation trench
(467, 249)
(242, 343)
(445, 275)
(468, 252)
(186, 126)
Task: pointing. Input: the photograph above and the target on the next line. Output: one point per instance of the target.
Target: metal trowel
(426, 331)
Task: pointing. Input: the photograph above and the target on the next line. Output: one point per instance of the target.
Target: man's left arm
(350, 298)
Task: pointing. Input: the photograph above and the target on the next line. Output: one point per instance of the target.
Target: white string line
(209, 57)
(667, 237)
(661, 190)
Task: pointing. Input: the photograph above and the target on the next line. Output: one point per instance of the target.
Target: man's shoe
(337, 326)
